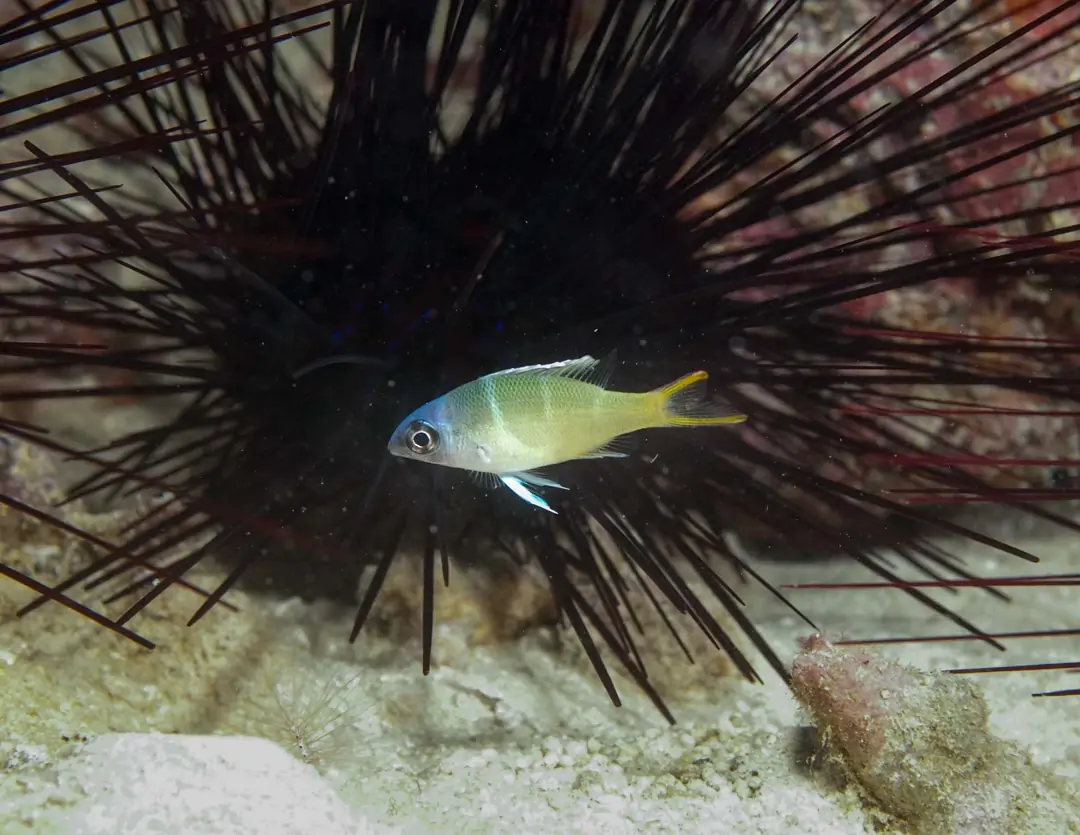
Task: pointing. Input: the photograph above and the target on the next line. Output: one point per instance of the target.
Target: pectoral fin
(489, 481)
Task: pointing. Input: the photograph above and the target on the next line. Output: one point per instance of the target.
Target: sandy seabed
(502, 736)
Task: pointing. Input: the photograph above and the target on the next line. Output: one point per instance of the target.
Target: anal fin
(619, 447)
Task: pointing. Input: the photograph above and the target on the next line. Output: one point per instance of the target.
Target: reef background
(512, 730)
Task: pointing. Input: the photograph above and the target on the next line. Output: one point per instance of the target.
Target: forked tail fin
(685, 403)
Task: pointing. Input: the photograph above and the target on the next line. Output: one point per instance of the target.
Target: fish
(505, 426)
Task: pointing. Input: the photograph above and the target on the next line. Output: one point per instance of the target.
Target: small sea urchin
(286, 225)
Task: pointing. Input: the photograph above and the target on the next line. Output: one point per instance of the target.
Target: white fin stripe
(537, 480)
(575, 368)
(525, 494)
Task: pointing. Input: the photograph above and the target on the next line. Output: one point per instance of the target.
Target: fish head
(426, 435)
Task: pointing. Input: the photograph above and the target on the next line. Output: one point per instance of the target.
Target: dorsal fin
(587, 369)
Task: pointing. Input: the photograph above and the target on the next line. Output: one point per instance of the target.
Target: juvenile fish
(511, 423)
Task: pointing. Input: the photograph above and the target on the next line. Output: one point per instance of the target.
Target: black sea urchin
(469, 186)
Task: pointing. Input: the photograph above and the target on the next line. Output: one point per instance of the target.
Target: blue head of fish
(426, 435)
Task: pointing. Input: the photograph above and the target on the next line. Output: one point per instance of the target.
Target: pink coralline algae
(919, 745)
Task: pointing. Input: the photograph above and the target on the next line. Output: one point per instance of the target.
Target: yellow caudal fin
(684, 403)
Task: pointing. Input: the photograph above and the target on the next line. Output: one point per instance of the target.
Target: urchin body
(563, 215)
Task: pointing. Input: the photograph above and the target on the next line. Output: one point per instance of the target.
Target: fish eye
(421, 438)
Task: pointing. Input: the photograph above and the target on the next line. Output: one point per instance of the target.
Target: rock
(920, 744)
(165, 784)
